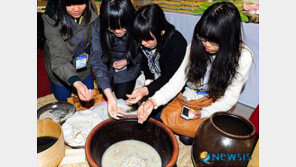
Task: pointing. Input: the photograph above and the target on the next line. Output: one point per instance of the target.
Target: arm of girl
(173, 55)
(136, 95)
(120, 64)
(84, 93)
(99, 68)
(172, 60)
(167, 92)
(112, 109)
(233, 91)
(175, 84)
(145, 110)
(60, 60)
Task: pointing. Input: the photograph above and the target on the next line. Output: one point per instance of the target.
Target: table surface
(185, 23)
(76, 157)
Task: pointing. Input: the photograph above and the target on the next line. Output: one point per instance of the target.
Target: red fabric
(254, 118)
(43, 87)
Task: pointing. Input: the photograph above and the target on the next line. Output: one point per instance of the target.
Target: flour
(77, 127)
(57, 116)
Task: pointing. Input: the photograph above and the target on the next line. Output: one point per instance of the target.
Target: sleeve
(99, 68)
(172, 58)
(175, 84)
(61, 61)
(233, 91)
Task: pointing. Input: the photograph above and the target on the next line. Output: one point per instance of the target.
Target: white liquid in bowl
(131, 153)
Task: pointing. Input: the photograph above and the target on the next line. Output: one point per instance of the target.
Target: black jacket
(171, 57)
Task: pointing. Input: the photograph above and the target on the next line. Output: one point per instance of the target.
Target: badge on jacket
(80, 61)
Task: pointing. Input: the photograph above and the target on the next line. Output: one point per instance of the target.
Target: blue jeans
(62, 92)
(156, 113)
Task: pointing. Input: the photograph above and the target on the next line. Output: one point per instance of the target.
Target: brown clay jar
(224, 139)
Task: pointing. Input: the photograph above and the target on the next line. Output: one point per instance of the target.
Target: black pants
(122, 89)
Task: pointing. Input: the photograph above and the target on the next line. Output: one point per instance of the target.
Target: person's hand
(147, 82)
(136, 95)
(112, 109)
(84, 93)
(197, 115)
(120, 64)
(87, 56)
(145, 110)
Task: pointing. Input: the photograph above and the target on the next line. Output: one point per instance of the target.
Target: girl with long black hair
(115, 59)
(215, 69)
(163, 49)
(67, 29)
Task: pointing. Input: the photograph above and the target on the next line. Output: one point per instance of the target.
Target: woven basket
(53, 155)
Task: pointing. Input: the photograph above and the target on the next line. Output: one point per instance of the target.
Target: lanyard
(76, 36)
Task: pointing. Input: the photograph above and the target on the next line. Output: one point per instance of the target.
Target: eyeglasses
(111, 30)
(205, 40)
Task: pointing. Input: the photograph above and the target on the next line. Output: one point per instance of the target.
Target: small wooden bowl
(54, 155)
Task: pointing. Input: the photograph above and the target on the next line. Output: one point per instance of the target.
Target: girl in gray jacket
(67, 29)
(115, 59)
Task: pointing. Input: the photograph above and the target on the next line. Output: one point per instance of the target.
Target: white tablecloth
(186, 23)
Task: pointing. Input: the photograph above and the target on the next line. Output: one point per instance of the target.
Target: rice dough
(131, 153)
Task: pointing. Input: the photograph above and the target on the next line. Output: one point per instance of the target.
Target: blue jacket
(106, 74)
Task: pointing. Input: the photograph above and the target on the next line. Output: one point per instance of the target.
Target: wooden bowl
(111, 131)
(54, 154)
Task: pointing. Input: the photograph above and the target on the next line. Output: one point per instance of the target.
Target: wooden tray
(82, 105)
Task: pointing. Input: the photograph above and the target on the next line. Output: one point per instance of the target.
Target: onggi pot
(111, 131)
(224, 139)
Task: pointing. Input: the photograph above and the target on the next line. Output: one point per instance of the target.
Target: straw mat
(184, 157)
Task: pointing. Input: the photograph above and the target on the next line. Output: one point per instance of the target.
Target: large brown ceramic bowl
(111, 131)
(227, 138)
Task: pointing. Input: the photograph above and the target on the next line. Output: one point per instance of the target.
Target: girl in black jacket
(115, 59)
(163, 49)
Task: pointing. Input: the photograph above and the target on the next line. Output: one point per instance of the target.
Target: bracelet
(153, 102)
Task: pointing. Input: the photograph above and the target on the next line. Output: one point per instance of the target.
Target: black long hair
(151, 18)
(56, 10)
(220, 23)
(116, 14)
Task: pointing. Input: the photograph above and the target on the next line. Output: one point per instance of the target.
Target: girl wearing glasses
(215, 69)
(115, 59)
(163, 49)
(67, 29)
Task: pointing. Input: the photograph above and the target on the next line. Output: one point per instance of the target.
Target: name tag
(202, 92)
(81, 61)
